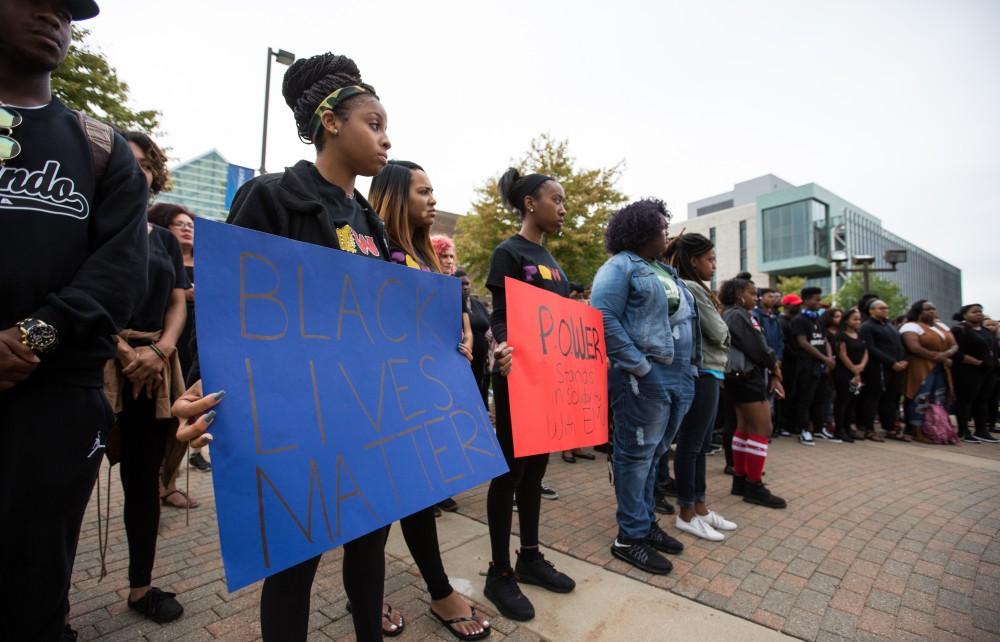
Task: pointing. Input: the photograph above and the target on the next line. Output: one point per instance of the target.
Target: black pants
(284, 599)
(879, 398)
(52, 436)
(808, 402)
(143, 440)
(420, 533)
(727, 410)
(993, 402)
(846, 403)
(694, 439)
(524, 478)
(784, 409)
(971, 399)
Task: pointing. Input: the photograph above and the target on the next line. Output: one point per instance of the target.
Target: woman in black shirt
(317, 203)
(403, 197)
(852, 358)
(973, 371)
(539, 202)
(141, 384)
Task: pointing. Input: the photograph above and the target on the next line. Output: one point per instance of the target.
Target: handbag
(737, 363)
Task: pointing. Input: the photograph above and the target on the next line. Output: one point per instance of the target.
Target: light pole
(285, 58)
(865, 263)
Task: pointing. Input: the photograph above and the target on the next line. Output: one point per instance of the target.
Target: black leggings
(972, 394)
(143, 440)
(284, 600)
(420, 533)
(846, 404)
(694, 438)
(524, 478)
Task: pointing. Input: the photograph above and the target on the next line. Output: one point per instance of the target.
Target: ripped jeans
(647, 412)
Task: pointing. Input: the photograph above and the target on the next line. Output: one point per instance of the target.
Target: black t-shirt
(805, 325)
(184, 341)
(165, 273)
(72, 244)
(348, 217)
(520, 259)
(855, 349)
(977, 343)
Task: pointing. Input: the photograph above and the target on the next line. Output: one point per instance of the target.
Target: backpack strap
(100, 137)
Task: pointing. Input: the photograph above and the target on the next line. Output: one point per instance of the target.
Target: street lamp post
(285, 58)
(865, 264)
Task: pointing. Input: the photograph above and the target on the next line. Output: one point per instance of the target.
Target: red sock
(756, 455)
(739, 453)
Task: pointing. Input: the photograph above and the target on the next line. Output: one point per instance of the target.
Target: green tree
(591, 197)
(853, 288)
(88, 83)
(791, 284)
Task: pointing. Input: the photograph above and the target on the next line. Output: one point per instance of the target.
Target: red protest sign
(559, 383)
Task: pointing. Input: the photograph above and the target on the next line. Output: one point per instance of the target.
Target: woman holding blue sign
(403, 196)
(317, 203)
(653, 343)
(540, 203)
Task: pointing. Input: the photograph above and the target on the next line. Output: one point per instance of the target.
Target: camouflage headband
(329, 103)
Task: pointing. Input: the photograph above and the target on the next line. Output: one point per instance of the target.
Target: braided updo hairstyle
(309, 80)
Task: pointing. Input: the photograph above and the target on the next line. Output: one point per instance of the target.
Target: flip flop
(387, 616)
(568, 458)
(458, 620)
(586, 456)
(191, 503)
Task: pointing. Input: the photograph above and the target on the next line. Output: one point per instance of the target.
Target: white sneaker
(829, 436)
(700, 529)
(806, 438)
(717, 521)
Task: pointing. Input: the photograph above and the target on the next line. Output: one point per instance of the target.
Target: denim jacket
(636, 317)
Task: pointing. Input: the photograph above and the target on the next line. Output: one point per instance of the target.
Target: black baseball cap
(82, 9)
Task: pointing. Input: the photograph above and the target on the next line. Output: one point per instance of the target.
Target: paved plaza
(879, 542)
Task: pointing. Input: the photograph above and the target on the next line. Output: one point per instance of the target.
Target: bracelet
(159, 353)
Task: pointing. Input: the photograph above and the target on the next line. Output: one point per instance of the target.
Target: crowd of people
(98, 357)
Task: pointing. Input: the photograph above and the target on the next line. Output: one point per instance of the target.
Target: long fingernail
(209, 436)
(209, 417)
(219, 395)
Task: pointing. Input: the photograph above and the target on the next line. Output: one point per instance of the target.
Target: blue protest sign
(347, 402)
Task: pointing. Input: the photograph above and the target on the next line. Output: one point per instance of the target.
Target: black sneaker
(969, 439)
(68, 634)
(642, 556)
(199, 462)
(987, 437)
(541, 572)
(662, 542)
(668, 488)
(664, 506)
(728, 470)
(503, 591)
(548, 493)
(757, 493)
(158, 606)
(449, 505)
(714, 450)
(739, 484)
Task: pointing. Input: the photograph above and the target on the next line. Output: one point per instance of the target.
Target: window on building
(795, 230)
(743, 246)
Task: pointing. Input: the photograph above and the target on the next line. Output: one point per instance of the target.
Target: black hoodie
(300, 204)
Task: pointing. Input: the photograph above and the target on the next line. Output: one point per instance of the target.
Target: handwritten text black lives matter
(406, 429)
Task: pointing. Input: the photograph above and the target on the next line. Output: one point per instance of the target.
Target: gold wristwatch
(38, 335)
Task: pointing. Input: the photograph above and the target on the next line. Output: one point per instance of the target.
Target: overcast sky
(893, 105)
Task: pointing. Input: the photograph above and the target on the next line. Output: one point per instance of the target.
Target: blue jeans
(647, 413)
(694, 439)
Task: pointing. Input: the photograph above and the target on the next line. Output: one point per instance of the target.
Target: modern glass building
(206, 185)
(801, 227)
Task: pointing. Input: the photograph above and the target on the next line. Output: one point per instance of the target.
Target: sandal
(569, 458)
(190, 503)
(387, 616)
(586, 456)
(874, 436)
(458, 620)
(898, 435)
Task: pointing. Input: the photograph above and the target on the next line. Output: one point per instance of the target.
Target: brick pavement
(880, 542)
